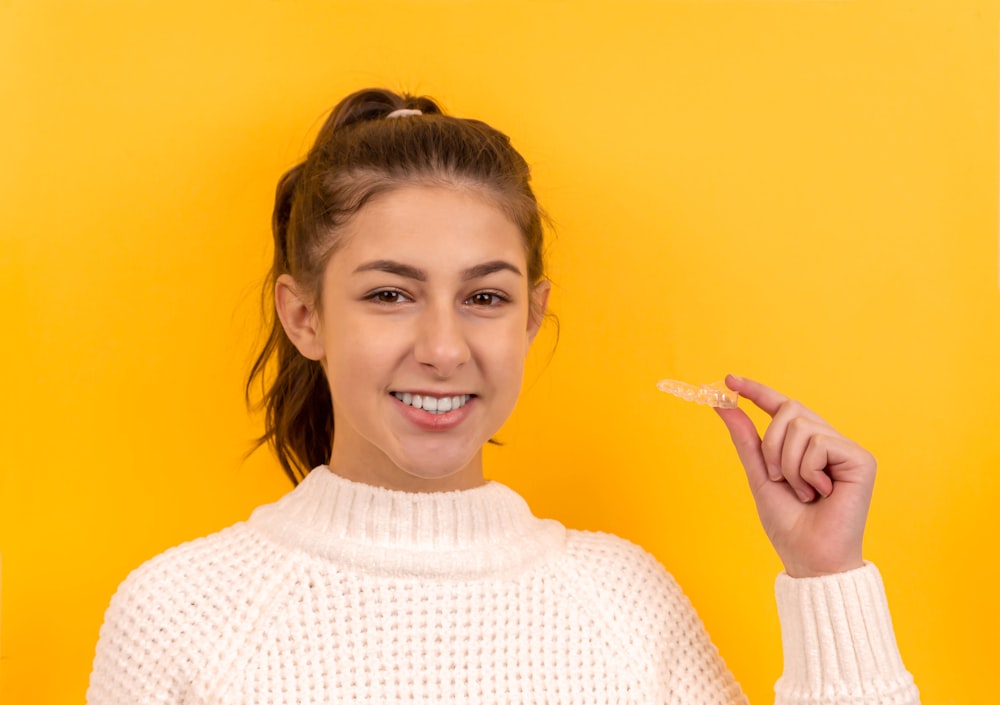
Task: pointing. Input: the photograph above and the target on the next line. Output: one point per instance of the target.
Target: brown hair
(359, 154)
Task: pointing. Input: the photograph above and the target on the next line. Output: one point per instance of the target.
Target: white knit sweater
(343, 592)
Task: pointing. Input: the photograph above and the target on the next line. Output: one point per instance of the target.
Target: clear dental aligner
(714, 394)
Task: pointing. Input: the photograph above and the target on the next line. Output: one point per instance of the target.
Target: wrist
(800, 570)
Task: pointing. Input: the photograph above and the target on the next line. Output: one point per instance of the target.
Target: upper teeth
(434, 405)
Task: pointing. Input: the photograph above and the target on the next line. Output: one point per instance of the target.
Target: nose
(441, 342)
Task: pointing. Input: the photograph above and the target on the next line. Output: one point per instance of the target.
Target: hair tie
(404, 112)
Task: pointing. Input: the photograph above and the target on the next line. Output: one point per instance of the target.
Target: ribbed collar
(486, 531)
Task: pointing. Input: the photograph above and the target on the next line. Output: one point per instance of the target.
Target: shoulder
(192, 590)
(626, 578)
(185, 569)
(612, 560)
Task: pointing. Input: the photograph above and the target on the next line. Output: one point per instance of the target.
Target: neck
(382, 472)
(404, 482)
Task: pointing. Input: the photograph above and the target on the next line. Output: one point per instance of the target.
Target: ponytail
(298, 411)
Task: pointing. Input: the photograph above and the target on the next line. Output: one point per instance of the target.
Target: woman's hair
(361, 152)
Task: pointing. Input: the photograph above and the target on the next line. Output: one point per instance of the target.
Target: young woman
(409, 284)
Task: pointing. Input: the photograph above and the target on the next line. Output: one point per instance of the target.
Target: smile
(433, 405)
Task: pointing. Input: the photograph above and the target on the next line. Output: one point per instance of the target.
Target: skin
(812, 486)
(427, 293)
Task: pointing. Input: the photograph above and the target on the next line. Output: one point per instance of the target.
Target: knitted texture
(839, 643)
(345, 592)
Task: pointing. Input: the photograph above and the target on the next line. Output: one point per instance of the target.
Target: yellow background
(801, 192)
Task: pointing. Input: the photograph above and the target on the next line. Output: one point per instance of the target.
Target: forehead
(431, 225)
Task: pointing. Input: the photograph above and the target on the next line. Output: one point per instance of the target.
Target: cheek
(507, 351)
(356, 360)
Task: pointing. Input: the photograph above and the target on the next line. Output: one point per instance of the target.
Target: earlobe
(539, 305)
(297, 317)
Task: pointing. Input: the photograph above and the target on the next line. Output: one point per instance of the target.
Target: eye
(487, 298)
(387, 296)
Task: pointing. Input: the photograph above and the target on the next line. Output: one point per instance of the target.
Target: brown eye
(387, 296)
(486, 298)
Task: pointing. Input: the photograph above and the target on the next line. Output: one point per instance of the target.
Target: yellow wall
(803, 192)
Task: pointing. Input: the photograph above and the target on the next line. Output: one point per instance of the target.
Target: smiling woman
(409, 284)
(373, 145)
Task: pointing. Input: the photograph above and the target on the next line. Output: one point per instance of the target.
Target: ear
(297, 316)
(538, 306)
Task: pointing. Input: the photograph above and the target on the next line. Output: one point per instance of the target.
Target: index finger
(769, 400)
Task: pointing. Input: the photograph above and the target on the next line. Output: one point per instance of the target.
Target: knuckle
(770, 447)
(792, 407)
(799, 424)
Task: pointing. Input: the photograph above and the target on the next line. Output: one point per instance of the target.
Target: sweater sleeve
(838, 642)
(650, 620)
(141, 655)
(837, 638)
(694, 671)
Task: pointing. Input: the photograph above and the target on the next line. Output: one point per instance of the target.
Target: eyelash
(496, 298)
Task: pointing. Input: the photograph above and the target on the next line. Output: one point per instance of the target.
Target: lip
(435, 422)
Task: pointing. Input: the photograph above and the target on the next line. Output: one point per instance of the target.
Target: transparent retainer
(715, 394)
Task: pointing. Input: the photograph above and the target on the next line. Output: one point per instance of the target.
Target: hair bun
(376, 104)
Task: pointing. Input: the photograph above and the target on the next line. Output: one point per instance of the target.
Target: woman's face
(426, 318)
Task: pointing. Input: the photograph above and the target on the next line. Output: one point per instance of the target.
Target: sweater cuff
(838, 640)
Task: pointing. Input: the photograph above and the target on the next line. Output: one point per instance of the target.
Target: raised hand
(812, 485)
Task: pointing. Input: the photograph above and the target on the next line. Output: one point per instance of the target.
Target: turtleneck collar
(484, 531)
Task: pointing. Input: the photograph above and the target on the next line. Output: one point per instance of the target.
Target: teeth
(433, 405)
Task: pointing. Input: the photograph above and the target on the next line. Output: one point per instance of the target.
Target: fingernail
(804, 496)
(736, 377)
(774, 473)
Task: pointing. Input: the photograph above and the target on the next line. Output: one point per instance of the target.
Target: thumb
(747, 443)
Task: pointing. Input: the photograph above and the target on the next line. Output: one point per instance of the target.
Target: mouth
(433, 404)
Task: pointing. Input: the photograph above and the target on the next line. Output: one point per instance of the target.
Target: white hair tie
(403, 112)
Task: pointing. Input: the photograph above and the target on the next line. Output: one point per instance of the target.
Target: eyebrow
(410, 272)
